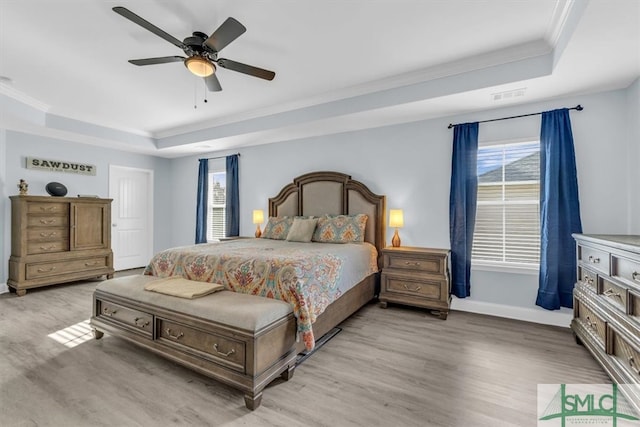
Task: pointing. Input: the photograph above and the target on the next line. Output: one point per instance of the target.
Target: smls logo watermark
(586, 404)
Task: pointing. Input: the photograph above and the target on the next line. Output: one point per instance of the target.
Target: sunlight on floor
(74, 334)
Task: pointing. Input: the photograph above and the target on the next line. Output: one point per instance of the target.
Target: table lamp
(258, 218)
(396, 220)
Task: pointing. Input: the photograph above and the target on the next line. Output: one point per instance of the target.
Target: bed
(322, 284)
(312, 277)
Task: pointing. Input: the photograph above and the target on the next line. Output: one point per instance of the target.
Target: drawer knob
(108, 312)
(635, 276)
(593, 259)
(140, 322)
(175, 337)
(91, 264)
(591, 324)
(611, 293)
(52, 234)
(48, 209)
(227, 354)
(414, 263)
(46, 270)
(47, 221)
(634, 365)
(416, 289)
(48, 248)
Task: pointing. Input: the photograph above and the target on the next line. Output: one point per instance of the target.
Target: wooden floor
(393, 367)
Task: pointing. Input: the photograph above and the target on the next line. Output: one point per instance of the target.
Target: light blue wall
(16, 146)
(410, 164)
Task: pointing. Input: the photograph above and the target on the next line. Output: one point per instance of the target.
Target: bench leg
(97, 334)
(288, 373)
(252, 401)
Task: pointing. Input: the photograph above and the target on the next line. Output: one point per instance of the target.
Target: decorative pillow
(340, 228)
(302, 229)
(277, 227)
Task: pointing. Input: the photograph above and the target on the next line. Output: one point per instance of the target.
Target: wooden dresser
(418, 277)
(607, 306)
(58, 239)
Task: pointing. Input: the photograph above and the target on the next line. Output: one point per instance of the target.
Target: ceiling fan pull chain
(205, 91)
(195, 96)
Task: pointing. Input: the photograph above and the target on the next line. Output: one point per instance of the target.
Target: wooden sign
(60, 166)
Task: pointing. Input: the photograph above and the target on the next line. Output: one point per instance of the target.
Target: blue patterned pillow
(340, 228)
(277, 227)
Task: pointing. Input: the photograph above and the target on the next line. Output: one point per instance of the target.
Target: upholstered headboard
(334, 193)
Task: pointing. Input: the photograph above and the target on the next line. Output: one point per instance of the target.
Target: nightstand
(418, 277)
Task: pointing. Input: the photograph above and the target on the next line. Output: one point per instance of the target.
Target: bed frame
(335, 193)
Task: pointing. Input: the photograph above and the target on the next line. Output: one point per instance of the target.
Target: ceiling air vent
(508, 94)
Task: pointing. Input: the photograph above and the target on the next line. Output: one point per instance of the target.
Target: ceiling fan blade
(213, 84)
(161, 60)
(246, 69)
(225, 34)
(148, 25)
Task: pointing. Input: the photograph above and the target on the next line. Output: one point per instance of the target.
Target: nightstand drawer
(416, 261)
(425, 288)
(139, 321)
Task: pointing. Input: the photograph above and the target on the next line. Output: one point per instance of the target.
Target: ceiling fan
(201, 50)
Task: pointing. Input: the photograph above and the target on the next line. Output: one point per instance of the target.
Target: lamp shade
(396, 218)
(200, 66)
(258, 216)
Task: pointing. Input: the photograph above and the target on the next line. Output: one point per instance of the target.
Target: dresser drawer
(634, 306)
(137, 320)
(587, 277)
(591, 321)
(209, 345)
(47, 221)
(425, 288)
(594, 258)
(423, 262)
(626, 269)
(48, 208)
(626, 352)
(59, 245)
(613, 293)
(47, 234)
(47, 269)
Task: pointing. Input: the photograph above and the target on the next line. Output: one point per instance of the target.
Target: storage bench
(242, 340)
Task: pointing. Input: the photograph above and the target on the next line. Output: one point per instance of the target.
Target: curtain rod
(577, 107)
(219, 157)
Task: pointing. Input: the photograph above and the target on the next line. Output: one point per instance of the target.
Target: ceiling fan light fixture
(200, 66)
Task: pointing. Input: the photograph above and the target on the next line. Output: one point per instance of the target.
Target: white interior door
(131, 216)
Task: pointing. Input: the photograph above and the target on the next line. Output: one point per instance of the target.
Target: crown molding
(23, 98)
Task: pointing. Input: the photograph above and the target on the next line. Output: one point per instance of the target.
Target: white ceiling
(340, 65)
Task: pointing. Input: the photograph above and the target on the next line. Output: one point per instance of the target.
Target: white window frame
(506, 266)
(215, 166)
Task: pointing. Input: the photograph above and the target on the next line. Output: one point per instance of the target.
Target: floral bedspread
(304, 275)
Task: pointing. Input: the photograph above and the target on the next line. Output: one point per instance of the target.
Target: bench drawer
(137, 320)
(207, 344)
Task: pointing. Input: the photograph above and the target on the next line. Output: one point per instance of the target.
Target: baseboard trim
(536, 315)
(4, 288)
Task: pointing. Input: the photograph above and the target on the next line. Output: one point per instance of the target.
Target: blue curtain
(233, 197)
(462, 205)
(201, 205)
(559, 211)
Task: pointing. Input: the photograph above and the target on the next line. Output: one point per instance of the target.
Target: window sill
(506, 268)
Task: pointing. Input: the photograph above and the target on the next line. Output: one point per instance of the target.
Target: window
(216, 200)
(507, 229)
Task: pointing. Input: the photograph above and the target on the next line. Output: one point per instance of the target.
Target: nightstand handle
(404, 285)
(417, 264)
